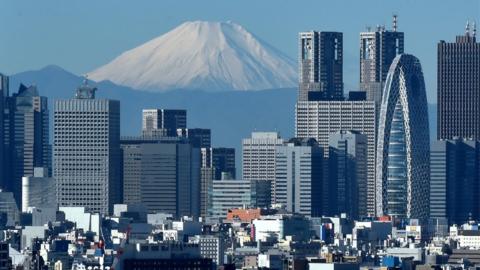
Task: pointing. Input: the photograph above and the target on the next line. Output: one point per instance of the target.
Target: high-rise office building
(403, 145)
(87, 151)
(455, 180)
(163, 122)
(27, 135)
(319, 119)
(347, 172)
(299, 177)
(377, 50)
(3, 96)
(320, 65)
(229, 194)
(458, 83)
(258, 156)
(163, 174)
(199, 137)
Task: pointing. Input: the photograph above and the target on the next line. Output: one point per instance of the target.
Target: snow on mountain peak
(211, 56)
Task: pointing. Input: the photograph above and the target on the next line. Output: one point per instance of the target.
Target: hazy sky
(82, 35)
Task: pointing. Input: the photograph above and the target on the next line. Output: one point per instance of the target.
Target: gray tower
(347, 172)
(403, 144)
(458, 82)
(26, 132)
(299, 177)
(377, 50)
(455, 180)
(3, 95)
(163, 174)
(87, 151)
(320, 65)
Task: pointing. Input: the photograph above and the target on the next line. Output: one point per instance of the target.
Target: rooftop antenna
(394, 22)
(467, 29)
(474, 31)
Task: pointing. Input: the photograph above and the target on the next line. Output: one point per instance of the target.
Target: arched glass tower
(403, 144)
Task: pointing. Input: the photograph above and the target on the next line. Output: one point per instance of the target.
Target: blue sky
(82, 35)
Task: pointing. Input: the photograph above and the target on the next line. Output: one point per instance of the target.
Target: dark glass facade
(458, 82)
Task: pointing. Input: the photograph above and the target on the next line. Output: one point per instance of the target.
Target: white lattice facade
(403, 156)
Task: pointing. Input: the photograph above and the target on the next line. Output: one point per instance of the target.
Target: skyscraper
(27, 135)
(258, 156)
(162, 174)
(163, 122)
(455, 180)
(299, 177)
(403, 157)
(223, 161)
(87, 151)
(458, 83)
(3, 95)
(319, 119)
(377, 50)
(320, 65)
(347, 171)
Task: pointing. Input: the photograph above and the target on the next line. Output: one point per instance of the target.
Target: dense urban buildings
(403, 145)
(26, 132)
(320, 65)
(458, 83)
(377, 50)
(299, 177)
(163, 122)
(455, 180)
(319, 119)
(87, 151)
(162, 174)
(341, 195)
(347, 172)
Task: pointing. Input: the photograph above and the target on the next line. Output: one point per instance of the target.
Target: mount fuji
(211, 56)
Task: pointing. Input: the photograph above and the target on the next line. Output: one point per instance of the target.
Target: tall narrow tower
(377, 50)
(458, 82)
(320, 66)
(27, 136)
(3, 95)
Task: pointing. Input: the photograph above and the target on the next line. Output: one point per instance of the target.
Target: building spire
(474, 31)
(467, 29)
(395, 22)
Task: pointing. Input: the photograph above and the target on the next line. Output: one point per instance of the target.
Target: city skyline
(421, 35)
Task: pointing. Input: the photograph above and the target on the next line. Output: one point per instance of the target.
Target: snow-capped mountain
(211, 56)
